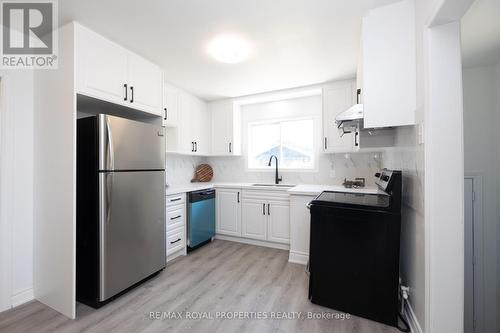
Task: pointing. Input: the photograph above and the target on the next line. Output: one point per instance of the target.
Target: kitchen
(189, 185)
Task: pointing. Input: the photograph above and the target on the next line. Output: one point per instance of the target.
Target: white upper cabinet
(171, 96)
(225, 128)
(101, 70)
(338, 97)
(201, 127)
(107, 71)
(146, 81)
(389, 66)
(188, 129)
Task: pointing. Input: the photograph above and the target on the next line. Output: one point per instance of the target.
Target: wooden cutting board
(203, 173)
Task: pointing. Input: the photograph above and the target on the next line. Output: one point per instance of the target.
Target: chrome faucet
(276, 179)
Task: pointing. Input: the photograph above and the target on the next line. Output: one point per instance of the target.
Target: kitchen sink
(275, 185)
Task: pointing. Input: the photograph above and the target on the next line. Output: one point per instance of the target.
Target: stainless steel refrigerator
(120, 206)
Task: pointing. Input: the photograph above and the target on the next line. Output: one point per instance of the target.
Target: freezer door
(132, 228)
(130, 145)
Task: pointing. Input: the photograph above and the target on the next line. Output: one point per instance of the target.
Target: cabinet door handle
(238, 197)
(165, 109)
(195, 146)
(356, 143)
(175, 241)
(192, 146)
(268, 209)
(326, 143)
(132, 92)
(176, 199)
(126, 92)
(176, 217)
(230, 148)
(264, 209)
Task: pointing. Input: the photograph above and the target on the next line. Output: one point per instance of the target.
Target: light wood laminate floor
(220, 277)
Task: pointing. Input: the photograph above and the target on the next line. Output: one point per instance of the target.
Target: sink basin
(275, 185)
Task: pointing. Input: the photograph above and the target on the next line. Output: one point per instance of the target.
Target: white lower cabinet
(175, 241)
(258, 215)
(265, 216)
(254, 219)
(176, 225)
(228, 211)
(300, 228)
(278, 227)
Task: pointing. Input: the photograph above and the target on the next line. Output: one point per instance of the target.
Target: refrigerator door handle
(105, 199)
(110, 149)
(103, 221)
(109, 197)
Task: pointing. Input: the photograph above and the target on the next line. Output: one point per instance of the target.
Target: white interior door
(469, 256)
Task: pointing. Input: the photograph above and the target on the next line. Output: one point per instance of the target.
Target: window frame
(315, 153)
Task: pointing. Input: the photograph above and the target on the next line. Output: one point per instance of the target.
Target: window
(290, 140)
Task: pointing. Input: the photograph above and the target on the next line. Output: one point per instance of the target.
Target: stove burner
(356, 183)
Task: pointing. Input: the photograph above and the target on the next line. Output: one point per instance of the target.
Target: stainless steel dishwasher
(201, 218)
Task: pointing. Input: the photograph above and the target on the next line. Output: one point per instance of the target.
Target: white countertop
(314, 190)
(176, 189)
(311, 190)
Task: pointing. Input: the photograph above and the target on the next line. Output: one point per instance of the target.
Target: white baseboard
(22, 297)
(253, 242)
(412, 319)
(298, 257)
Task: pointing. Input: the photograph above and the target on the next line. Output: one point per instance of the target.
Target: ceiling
(295, 42)
(481, 34)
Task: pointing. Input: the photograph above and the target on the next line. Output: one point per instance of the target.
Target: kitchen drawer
(175, 217)
(176, 240)
(176, 199)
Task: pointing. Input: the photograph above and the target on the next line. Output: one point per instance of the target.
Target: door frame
(444, 168)
(478, 225)
(6, 193)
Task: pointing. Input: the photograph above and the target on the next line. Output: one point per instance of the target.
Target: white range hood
(355, 112)
(351, 120)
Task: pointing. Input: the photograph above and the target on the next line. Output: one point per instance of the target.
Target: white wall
(329, 168)
(408, 157)
(18, 189)
(481, 142)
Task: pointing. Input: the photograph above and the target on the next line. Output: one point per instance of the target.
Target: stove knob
(377, 175)
(385, 178)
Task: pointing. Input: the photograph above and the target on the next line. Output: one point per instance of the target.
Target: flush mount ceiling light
(229, 48)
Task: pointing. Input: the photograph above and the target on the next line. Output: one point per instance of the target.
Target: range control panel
(383, 179)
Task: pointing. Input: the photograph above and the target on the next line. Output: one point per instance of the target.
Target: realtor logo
(29, 34)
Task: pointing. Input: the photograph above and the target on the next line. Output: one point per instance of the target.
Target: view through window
(290, 140)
